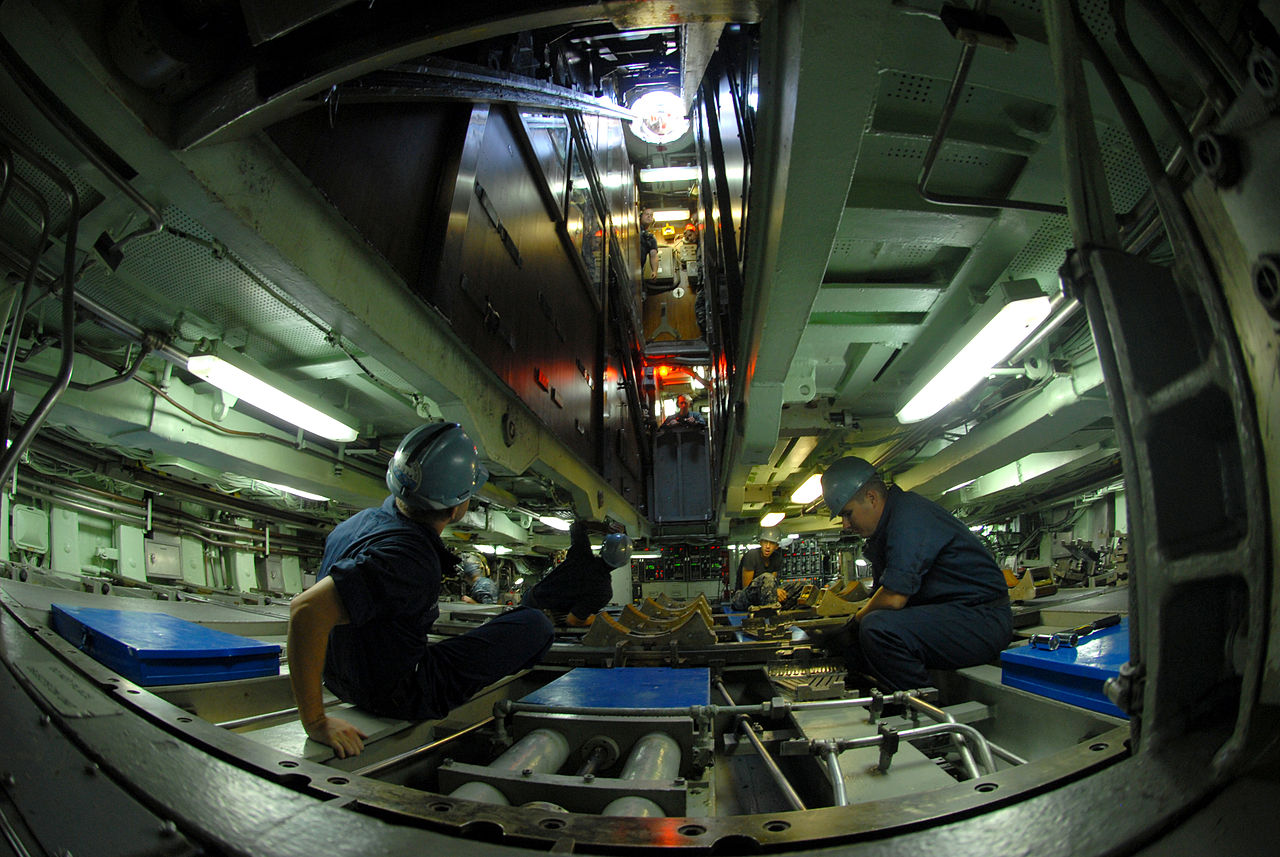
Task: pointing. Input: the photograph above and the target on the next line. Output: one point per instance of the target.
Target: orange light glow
(664, 371)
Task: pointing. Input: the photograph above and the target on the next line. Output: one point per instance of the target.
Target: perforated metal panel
(1045, 252)
(182, 275)
(59, 208)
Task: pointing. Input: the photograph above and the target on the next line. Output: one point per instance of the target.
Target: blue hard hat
(844, 479)
(436, 467)
(616, 550)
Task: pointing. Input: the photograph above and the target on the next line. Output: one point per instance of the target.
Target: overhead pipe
(935, 147)
(1178, 222)
(1144, 74)
(24, 296)
(1089, 207)
(1206, 55)
(35, 92)
(18, 445)
(1061, 309)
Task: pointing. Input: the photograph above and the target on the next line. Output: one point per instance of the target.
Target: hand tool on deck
(1071, 637)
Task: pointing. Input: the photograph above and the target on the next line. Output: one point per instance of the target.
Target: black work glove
(833, 639)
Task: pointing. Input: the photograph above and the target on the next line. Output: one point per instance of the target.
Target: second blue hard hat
(616, 550)
(843, 479)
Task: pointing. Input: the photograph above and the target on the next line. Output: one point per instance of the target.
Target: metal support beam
(805, 156)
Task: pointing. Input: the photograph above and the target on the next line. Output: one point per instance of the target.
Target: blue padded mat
(156, 648)
(735, 621)
(627, 687)
(1071, 675)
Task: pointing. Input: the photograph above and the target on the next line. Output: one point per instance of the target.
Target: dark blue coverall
(957, 613)
(484, 590)
(387, 571)
(580, 585)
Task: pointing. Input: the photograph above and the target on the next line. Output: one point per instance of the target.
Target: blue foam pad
(627, 687)
(156, 648)
(735, 621)
(1072, 675)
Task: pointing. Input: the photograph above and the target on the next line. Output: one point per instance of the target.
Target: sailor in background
(767, 557)
(580, 586)
(480, 586)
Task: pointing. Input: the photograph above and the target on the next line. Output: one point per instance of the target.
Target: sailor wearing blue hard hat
(363, 626)
(939, 600)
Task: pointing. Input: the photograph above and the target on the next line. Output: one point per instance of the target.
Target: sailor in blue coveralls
(363, 626)
(480, 587)
(579, 588)
(939, 600)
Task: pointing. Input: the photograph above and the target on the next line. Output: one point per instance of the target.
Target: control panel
(807, 562)
(682, 571)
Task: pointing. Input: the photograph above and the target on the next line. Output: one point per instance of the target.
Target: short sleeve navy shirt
(386, 569)
(921, 550)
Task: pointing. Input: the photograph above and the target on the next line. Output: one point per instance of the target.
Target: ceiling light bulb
(660, 117)
(772, 518)
(555, 522)
(809, 491)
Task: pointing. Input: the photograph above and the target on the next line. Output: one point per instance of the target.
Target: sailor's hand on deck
(343, 737)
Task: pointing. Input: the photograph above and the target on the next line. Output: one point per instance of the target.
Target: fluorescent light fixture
(652, 175)
(519, 580)
(501, 549)
(555, 522)
(808, 492)
(645, 555)
(1010, 314)
(772, 518)
(961, 485)
(486, 549)
(306, 495)
(664, 214)
(860, 562)
(238, 375)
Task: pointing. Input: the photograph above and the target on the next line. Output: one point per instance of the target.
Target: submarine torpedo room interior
(703, 273)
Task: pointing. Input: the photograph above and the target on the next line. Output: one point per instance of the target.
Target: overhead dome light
(555, 522)
(659, 117)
